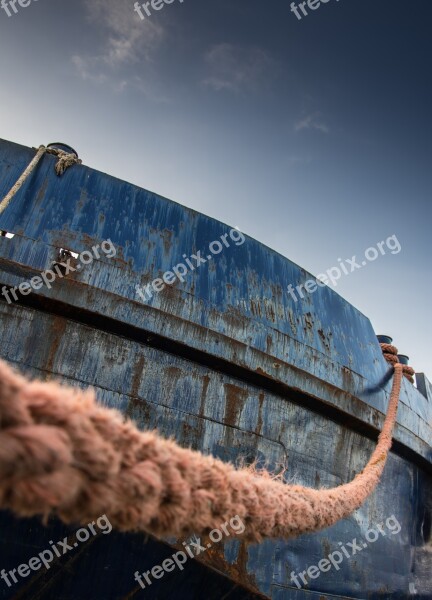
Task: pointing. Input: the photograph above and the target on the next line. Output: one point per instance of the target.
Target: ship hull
(225, 363)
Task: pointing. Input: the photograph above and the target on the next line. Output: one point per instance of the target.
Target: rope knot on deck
(65, 160)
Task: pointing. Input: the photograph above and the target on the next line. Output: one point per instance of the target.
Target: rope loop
(391, 355)
(65, 160)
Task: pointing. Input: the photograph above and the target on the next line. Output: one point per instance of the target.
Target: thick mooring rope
(65, 160)
(391, 355)
(62, 454)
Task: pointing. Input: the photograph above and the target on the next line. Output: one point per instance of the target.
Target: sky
(313, 135)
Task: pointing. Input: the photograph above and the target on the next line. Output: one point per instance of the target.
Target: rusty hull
(226, 363)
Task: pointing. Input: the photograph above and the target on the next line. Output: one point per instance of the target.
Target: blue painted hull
(226, 363)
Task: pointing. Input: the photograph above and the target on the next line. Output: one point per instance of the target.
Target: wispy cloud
(312, 121)
(127, 40)
(234, 68)
(85, 71)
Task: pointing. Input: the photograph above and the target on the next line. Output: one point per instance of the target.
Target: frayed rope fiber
(61, 454)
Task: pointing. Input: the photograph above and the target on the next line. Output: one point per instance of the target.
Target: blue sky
(312, 136)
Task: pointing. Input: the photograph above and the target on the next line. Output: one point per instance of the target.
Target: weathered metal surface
(227, 364)
(424, 386)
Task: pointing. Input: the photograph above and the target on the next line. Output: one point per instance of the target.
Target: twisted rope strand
(62, 454)
(65, 160)
(28, 171)
(391, 355)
